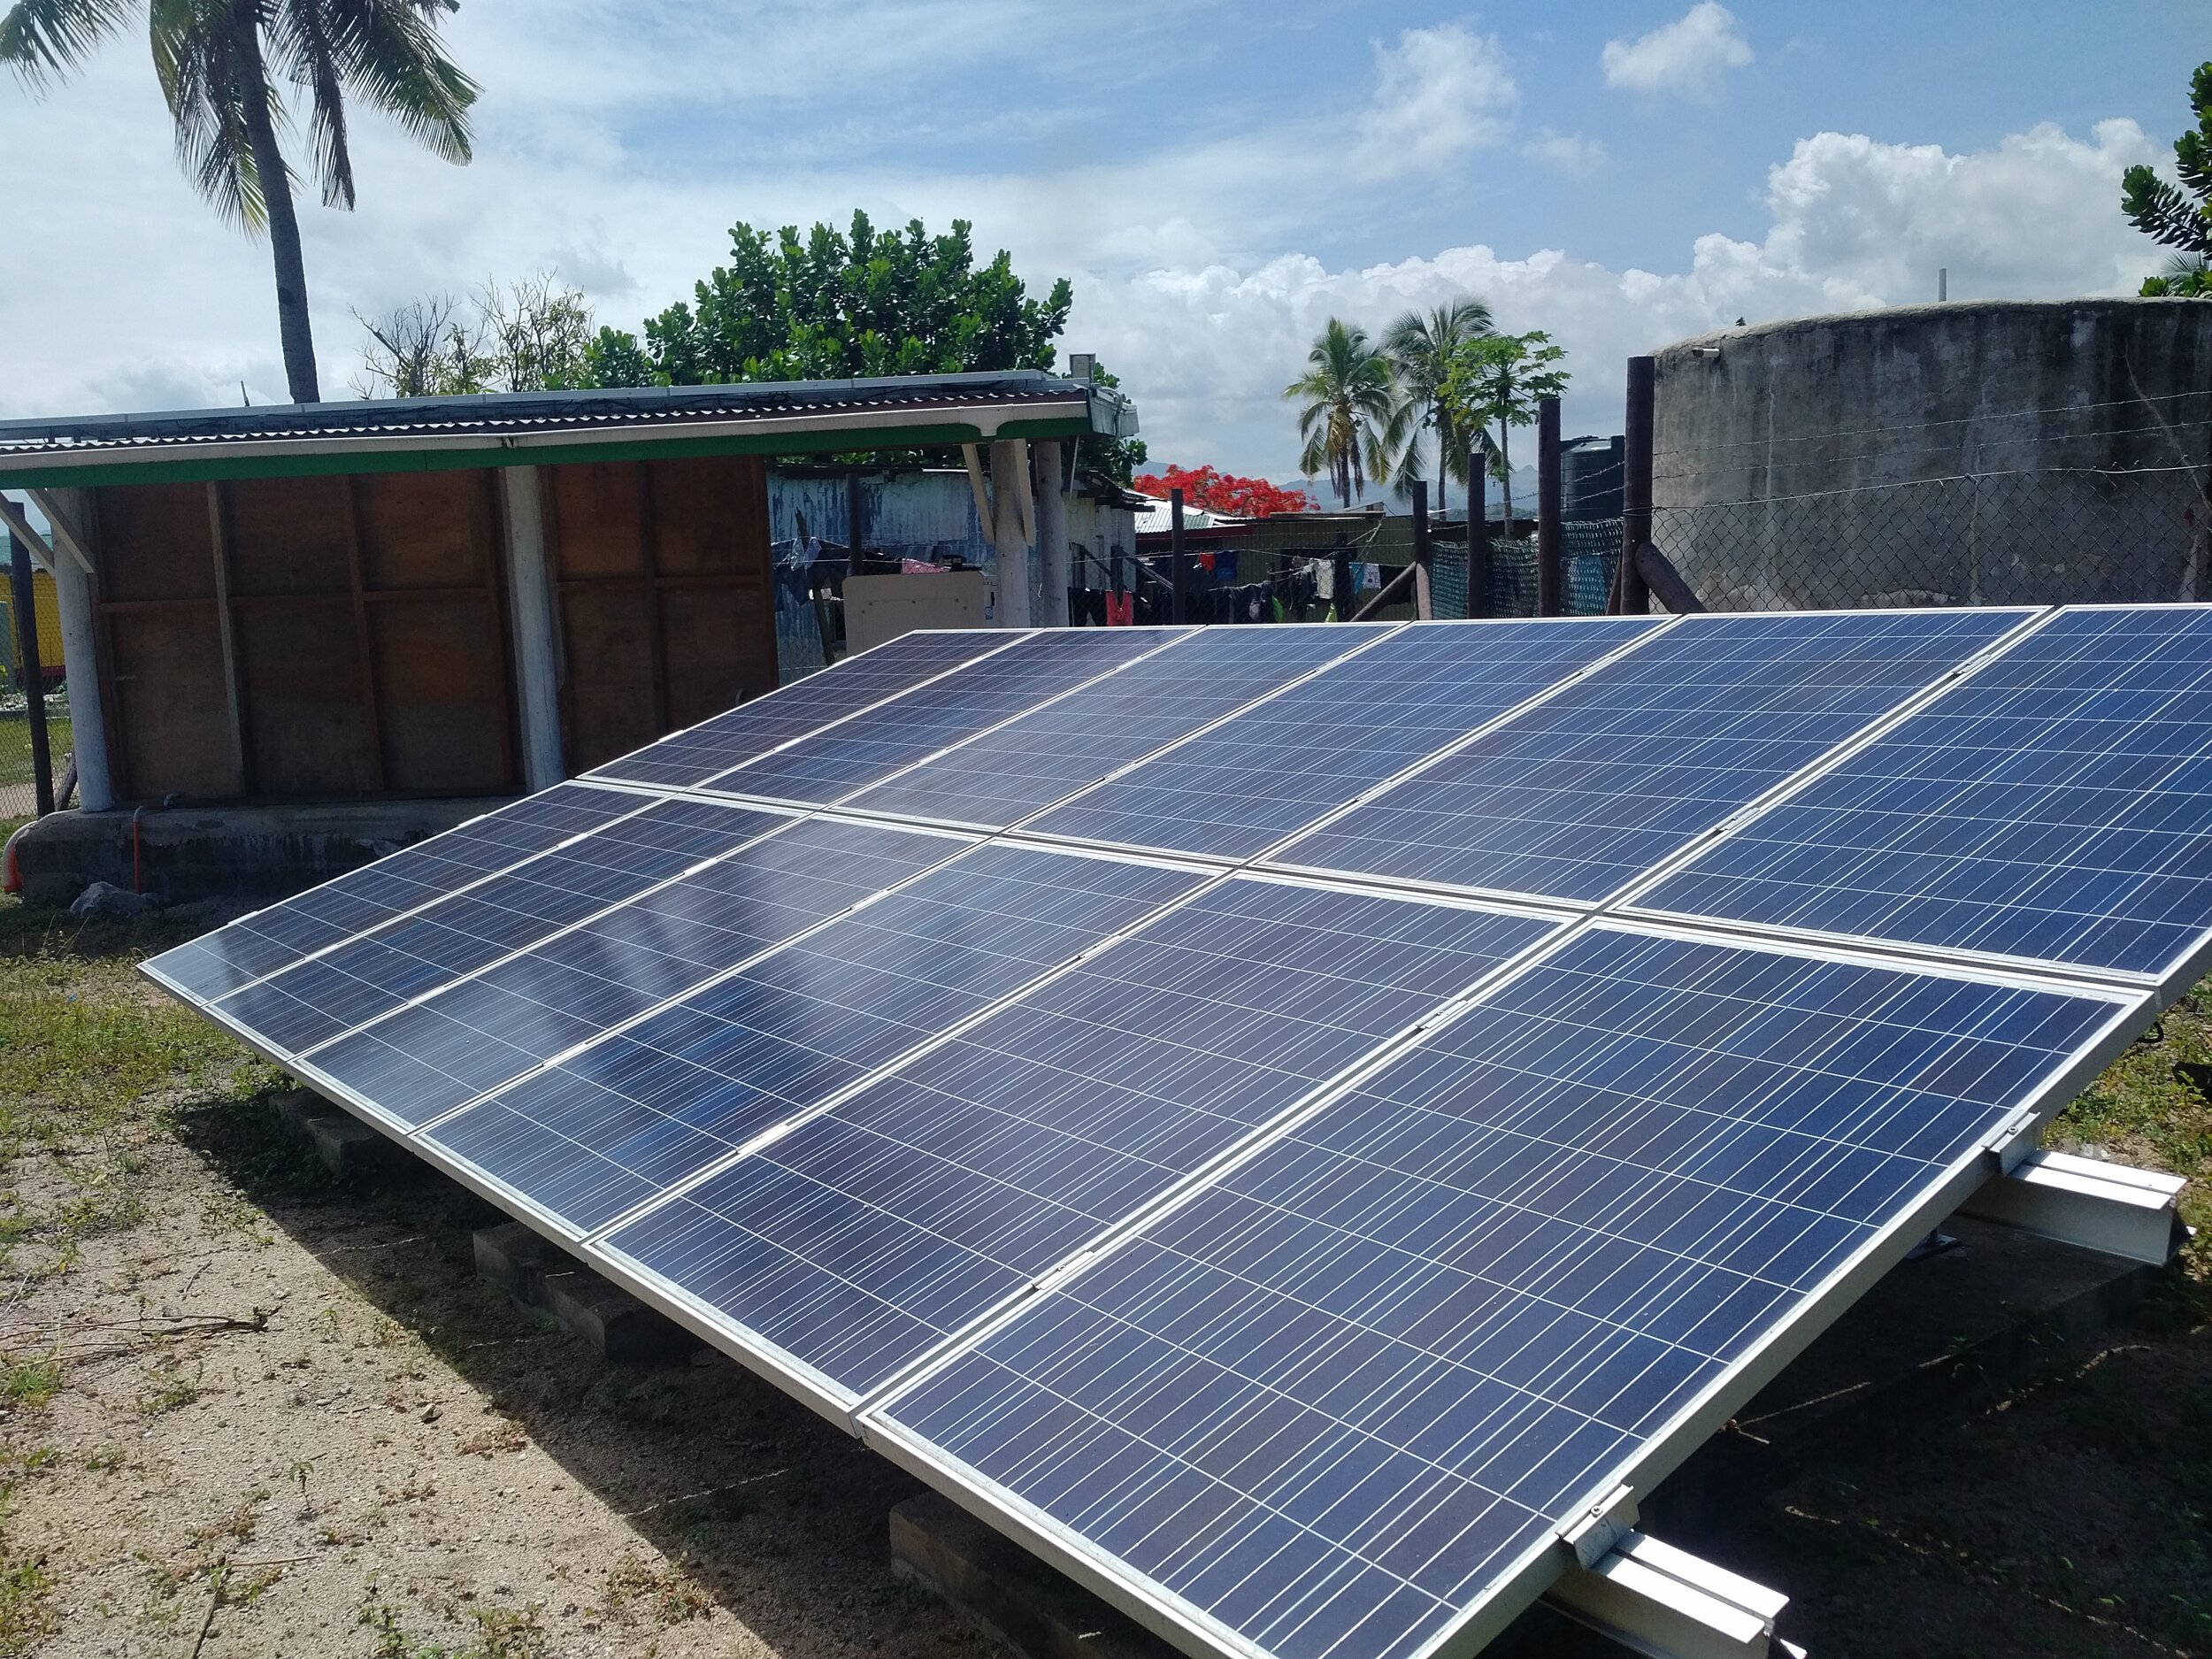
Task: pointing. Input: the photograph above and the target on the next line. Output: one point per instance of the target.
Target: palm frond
(388, 53)
(43, 40)
(205, 79)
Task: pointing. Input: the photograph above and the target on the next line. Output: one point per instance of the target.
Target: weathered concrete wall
(1973, 453)
(256, 852)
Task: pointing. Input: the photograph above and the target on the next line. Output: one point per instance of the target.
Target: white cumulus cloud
(1440, 93)
(1576, 156)
(1685, 58)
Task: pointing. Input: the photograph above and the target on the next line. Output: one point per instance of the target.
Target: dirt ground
(251, 1411)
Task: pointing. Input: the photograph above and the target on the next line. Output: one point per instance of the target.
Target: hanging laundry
(1369, 577)
(1121, 609)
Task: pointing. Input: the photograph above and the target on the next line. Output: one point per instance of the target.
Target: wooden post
(856, 525)
(227, 635)
(1009, 461)
(1477, 537)
(68, 510)
(27, 669)
(1636, 484)
(1179, 607)
(1341, 579)
(1423, 554)
(1052, 535)
(531, 627)
(1550, 598)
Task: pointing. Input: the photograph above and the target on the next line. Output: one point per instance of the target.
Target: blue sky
(1217, 177)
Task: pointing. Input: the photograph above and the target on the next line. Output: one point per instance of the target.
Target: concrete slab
(541, 1278)
(190, 853)
(1931, 1337)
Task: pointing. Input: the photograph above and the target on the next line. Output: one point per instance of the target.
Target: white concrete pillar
(69, 510)
(530, 611)
(1051, 607)
(1009, 532)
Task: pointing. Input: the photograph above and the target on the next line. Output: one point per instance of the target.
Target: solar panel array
(1284, 1120)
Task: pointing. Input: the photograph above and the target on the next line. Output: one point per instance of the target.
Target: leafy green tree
(1117, 458)
(1349, 399)
(1421, 347)
(220, 64)
(867, 302)
(2180, 216)
(1494, 384)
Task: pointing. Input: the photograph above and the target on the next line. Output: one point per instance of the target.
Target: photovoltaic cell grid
(593, 1138)
(258, 945)
(1238, 789)
(1582, 794)
(490, 1028)
(688, 758)
(843, 759)
(1074, 742)
(1324, 1399)
(871, 1233)
(2055, 805)
(1333, 1400)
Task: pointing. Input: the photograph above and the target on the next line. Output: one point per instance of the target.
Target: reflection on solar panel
(1334, 1399)
(1241, 787)
(856, 1242)
(1025, 767)
(1290, 1256)
(1588, 790)
(266, 941)
(685, 759)
(2057, 805)
(834, 763)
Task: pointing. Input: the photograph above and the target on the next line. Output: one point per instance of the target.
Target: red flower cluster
(1225, 492)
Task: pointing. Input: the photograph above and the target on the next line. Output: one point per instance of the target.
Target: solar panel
(383, 969)
(685, 759)
(1586, 791)
(1028, 763)
(491, 1027)
(262, 943)
(2057, 805)
(1287, 1253)
(1237, 790)
(842, 759)
(587, 1140)
(856, 1242)
(1341, 1396)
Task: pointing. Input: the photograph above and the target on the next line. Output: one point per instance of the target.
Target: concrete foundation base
(541, 1278)
(265, 852)
(1931, 1336)
(348, 1148)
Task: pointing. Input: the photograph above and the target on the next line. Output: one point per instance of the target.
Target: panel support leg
(1664, 1601)
(2108, 1207)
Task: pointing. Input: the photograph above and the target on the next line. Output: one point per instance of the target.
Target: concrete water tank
(1980, 453)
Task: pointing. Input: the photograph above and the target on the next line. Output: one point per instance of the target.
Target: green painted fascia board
(31, 472)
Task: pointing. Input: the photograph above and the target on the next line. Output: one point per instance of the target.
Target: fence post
(855, 529)
(1178, 608)
(1477, 535)
(1423, 555)
(1341, 579)
(1549, 534)
(28, 669)
(1635, 593)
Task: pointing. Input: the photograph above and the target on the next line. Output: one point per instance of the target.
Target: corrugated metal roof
(807, 414)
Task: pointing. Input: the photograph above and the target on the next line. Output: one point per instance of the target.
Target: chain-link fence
(19, 756)
(1590, 551)
(2099, 503)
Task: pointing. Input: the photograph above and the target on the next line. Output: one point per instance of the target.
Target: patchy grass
(30, 1382)
(669, 1592)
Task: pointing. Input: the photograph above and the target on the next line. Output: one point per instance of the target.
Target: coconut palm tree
(221, 64)
(1350, 391)
(1421, 346)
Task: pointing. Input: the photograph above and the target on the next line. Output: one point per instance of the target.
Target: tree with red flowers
(1225, 492)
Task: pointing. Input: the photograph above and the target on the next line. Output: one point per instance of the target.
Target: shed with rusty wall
(1972, 453)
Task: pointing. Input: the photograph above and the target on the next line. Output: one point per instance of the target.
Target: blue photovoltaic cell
(594, 1137)
(376, 973)
(2056, 805)
(260, 944)
(1330, 1401)
(489, 1029)
(1042, 757)
(685, 759)
(1242, 786)
(1591, 788)
(867, 1234)
(832, 764)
